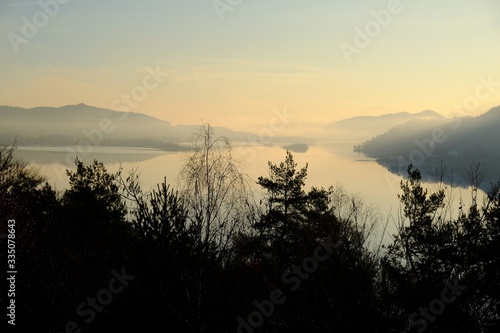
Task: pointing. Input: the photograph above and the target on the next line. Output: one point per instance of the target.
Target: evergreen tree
(286, 198)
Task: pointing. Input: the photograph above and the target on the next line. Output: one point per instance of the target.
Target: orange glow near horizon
(261, 56)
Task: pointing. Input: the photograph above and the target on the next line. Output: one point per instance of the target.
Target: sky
(234, 62)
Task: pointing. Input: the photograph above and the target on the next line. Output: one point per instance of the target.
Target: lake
(329, 163)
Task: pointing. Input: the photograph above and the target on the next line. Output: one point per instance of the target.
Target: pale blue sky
(264, 54)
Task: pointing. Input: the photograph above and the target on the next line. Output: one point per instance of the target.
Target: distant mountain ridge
(72, 123)
(457, 142)
(364, 127)
(388, 120)
(461, 135)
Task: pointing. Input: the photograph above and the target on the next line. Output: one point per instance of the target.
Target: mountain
(457, 142)
(461, 135)
(68, 125)
(364, 127)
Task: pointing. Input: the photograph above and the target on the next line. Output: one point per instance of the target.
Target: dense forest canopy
(203, 256)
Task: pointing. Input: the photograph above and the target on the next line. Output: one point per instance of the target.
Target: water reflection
(329, 163)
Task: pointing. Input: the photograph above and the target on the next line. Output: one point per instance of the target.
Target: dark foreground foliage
(206, 258)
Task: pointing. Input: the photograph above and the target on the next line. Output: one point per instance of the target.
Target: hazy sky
(233, 65)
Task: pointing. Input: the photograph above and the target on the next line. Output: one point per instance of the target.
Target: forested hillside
(107, 255)
(457, 143)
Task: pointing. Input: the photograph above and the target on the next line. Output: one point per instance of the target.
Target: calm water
(330, 163)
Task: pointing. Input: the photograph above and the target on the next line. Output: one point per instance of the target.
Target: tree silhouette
(215, 190)
(18, 184)
(286, 198)
(203, 256)
(94, 195)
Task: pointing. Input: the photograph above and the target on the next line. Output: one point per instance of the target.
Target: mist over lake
(329, 164)
(249, 166)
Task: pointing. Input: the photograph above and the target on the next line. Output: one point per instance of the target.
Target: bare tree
(216, 192)
(17, 179)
